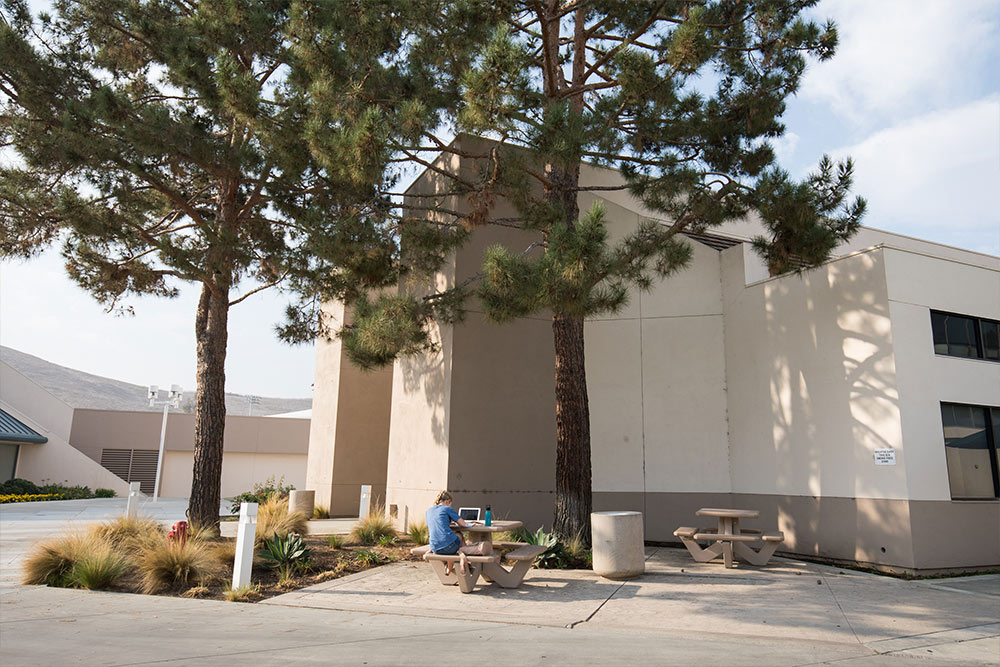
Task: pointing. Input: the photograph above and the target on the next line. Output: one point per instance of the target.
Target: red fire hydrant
(178, 533)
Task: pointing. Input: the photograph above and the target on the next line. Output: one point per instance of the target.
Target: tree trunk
(573, 492)
(211, 333)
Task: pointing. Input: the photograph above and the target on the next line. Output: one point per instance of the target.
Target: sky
(913, 95)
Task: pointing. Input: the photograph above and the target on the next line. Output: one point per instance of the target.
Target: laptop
(470, 514)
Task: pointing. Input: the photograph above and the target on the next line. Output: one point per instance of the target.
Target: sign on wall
(885, 456)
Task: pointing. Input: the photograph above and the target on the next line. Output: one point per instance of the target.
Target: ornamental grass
(98, 569)
(128, 535)
(170, 565)
(273, 518)
(418, 533)
(373, 527)
(50, 561)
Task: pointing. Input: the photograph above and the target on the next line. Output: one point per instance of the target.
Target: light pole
(176, 393)
(252, 401)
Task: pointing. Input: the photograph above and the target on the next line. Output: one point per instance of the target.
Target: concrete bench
(488, 567)
(729, 544)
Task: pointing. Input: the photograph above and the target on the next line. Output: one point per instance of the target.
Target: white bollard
(132, 502)
(366, 501)
(245, 534)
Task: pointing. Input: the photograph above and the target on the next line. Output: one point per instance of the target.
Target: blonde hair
(442, 498)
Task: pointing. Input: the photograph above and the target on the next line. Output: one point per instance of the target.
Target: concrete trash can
(302, 501)
(617, 539)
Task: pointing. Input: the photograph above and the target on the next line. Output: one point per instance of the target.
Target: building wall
(55, 460)
(255, 448)
(349, 432)
(945, 533)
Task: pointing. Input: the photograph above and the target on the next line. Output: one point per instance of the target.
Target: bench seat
(727, 538)
(685, 531)
(528, 552)
(773, 537)
(454, 558)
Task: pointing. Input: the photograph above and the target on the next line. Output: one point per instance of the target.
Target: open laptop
(470, 514)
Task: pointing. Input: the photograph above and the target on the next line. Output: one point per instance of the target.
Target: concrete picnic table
(487, 567)
(729, 539)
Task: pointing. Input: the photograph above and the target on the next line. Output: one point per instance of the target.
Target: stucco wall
(55, 460)
(349, 434)
(255, 448)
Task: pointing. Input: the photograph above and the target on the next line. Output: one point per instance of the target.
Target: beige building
(109, 448)
(857, 406)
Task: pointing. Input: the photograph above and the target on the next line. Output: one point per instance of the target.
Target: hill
(84, 390)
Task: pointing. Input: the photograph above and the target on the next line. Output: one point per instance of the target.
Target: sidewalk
(680, 612)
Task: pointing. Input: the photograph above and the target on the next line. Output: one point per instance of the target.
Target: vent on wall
(132, 465)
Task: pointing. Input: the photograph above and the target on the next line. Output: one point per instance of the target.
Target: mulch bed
(326, 563)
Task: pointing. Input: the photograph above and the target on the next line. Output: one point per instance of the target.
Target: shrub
(335, 541)
(387, 540)
(104, 493)
(49, 562)
(273, 518)
(97, 569)
(321, 512)
(261, 492)
(368, 558)
(69, 492)
(418, 533)
(372, 528)
(128, 534)
(171, 565)
(18, 487)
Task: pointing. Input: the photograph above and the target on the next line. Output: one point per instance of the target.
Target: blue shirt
(439, 530)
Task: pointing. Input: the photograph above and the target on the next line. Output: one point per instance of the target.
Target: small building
(856, 405)
(109, 448)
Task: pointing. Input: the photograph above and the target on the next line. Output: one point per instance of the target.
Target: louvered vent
(132, 465)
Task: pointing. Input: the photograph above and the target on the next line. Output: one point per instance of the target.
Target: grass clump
(249, 593)
(49, 562)
(128, 534)
(418, 533)
(171, 565)
(273, 518)
(98, 569)
(197, 592)
(335, 541)
(373, 527)
(321, 512)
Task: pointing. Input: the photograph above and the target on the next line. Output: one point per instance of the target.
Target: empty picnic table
(729, 539)
(488, 567)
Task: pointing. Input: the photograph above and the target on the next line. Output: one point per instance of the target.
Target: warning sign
(885, 456)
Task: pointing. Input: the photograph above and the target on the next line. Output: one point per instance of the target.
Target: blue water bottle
(489, 517)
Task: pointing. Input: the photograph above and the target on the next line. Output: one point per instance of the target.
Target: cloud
(935, 176)
(897, 56)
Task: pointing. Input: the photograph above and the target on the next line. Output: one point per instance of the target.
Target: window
(964, 336)
(970, 444)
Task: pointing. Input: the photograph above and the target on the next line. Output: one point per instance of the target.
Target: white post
(245, 533)
(159, 458)
(366, 501)
(132, 503)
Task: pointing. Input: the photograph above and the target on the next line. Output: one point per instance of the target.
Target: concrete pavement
(680, 612)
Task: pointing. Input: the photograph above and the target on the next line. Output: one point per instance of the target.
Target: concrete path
(680, 612)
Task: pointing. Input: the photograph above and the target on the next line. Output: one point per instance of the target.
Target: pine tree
(682, 97)
(189, 141)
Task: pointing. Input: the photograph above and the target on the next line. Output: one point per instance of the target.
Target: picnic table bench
(487, 567)
(729, 539)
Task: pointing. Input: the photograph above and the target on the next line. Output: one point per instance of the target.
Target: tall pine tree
(683, 97)
(187, 141)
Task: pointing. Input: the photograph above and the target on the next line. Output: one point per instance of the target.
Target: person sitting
(444, 540)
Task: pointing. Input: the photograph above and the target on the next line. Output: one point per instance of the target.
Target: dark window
(970, 445)
(964, 336)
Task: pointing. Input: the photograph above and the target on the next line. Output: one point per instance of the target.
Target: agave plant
(284, 552)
